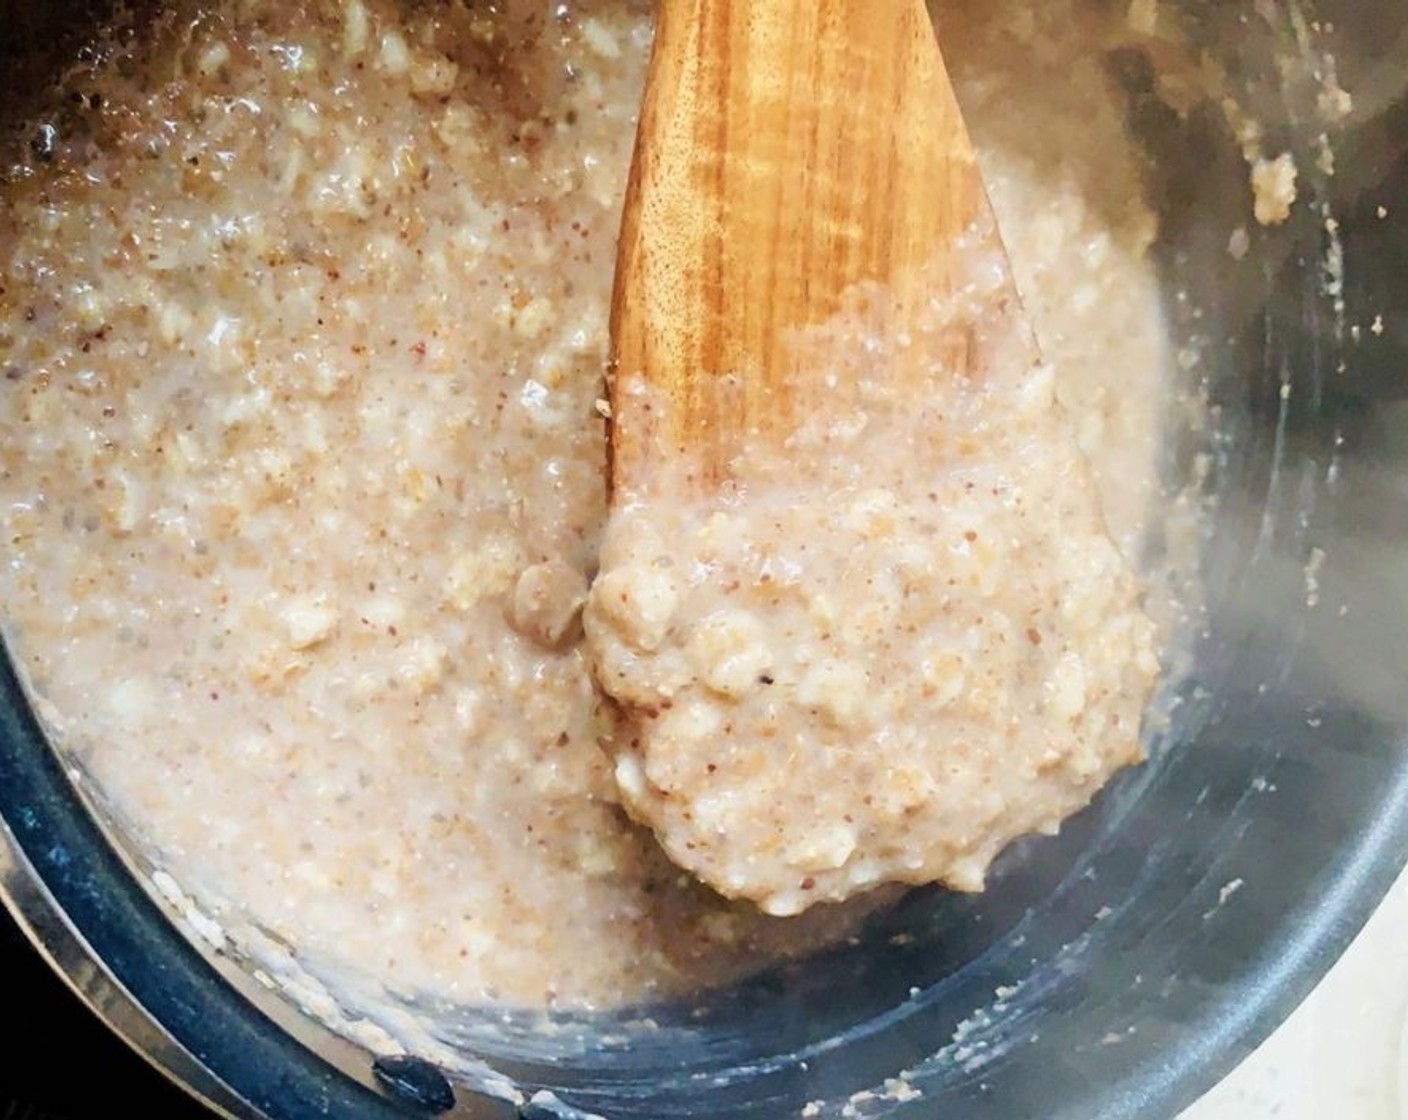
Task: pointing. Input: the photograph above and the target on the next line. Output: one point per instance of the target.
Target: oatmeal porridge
(896, 638)
(302, 329)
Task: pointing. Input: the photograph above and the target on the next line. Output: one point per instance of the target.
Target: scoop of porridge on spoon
(857, 605)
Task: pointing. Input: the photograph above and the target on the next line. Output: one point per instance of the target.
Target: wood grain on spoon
(789, 151)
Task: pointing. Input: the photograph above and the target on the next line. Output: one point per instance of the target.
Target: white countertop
(1343, 1055)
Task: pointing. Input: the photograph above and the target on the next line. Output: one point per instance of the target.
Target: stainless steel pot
(1115, 972)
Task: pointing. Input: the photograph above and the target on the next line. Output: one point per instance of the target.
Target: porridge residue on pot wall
(302, 335)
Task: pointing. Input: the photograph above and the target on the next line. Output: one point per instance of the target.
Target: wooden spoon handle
(789, 151)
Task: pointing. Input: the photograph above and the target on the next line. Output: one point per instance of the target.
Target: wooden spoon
(847, 517)
(789, 151)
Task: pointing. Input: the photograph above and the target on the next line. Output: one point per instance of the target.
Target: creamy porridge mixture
(302, 332)
(895, 638)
